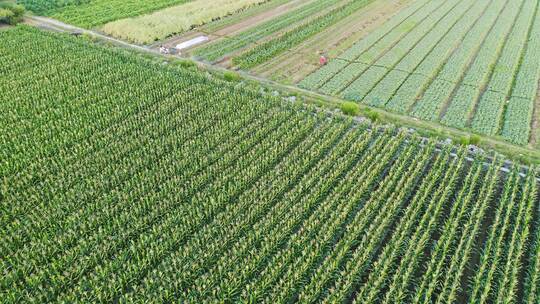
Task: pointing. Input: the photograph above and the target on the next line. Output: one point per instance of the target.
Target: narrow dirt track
(260, 18)
(63, 27)
(233, 28)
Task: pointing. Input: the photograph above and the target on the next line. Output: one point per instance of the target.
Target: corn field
(128, 181)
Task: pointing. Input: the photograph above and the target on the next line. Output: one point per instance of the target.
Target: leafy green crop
(265, 51)
(468, 65)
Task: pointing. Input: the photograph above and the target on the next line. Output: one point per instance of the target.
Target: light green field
(471, 65)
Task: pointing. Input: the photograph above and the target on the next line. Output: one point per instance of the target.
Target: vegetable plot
(228, 45)
(465, 64)
(42, 6)
(128, 181)
(265, 51)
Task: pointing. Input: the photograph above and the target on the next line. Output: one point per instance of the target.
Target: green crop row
(318, 78)
(370, 49)
(465, 65)
(413, 47)
(269, 49)
(488, 118)
(440, 48)
(127, 181)
(220, 48)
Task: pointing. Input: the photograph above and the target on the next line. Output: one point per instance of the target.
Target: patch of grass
(372, 115)
(464, 141)
(186, 64)
(350, 108)
(231, 76)
(475, 139)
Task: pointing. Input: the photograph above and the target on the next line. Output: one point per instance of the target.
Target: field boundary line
(326, 38)
(250, 43)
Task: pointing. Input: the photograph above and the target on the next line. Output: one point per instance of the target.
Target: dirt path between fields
(233, 28)
(55, 25)
(258, 19)
(295, 64)
(226, 62)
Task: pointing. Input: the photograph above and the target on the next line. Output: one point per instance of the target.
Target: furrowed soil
(297, 63)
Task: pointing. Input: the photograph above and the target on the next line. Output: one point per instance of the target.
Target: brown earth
(234, 28)
(226, 62)
(258, 19)
(295, 64)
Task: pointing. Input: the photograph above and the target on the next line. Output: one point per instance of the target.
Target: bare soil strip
(226, 62)
(288, 28)
(258, 19)
(234, 28)
(294, 65)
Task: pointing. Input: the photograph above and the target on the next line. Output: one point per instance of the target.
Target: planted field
(467, 64)
(130, 181)
(228, 45)
(296, 63)
(267, 50)
(177, 19)
(266, 41)
(92, 13)
(44, 6)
